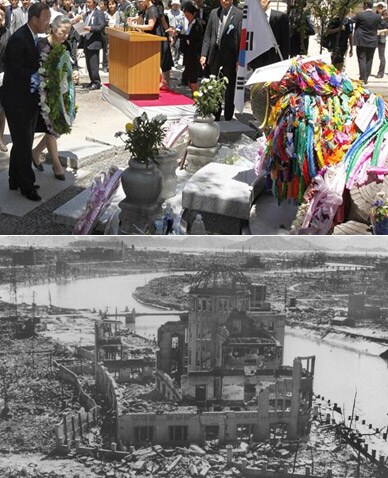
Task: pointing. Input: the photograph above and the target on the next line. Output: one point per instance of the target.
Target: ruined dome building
(225, 356)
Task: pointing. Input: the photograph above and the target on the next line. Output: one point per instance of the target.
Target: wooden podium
(134, 63)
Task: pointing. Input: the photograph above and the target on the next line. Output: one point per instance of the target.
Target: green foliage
(144, 137)
(379, 210)
(325, 12)
(57, 90)
(210, 95)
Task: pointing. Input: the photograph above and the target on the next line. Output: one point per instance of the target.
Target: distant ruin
(223, 365)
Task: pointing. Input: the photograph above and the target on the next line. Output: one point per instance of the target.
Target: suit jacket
(21, 60)
(366, 25)
(191, 43)
(203, 15)
(278, 22)
(93, 39)
(17, 20)
(230, 38)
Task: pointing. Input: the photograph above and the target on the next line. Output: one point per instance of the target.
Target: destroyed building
(222, 363)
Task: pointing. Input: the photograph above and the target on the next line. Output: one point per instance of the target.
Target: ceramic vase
(380, 228)
(142, 185)
(204, 132)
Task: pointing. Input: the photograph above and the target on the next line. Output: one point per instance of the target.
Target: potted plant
(142, 180)
(204, 131)
(379, 214)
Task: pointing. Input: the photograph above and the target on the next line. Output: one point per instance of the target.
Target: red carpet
(166, 98)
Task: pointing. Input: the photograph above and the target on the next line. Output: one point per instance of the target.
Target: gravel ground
(39, 220)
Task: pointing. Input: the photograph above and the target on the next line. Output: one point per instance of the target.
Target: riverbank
(166, 293)
(346, 339)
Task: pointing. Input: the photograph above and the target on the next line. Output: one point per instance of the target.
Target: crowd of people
(206, 39)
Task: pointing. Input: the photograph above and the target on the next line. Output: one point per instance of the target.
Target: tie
(89, 17)
(36, 41)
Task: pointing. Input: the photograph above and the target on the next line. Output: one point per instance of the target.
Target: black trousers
(105, 46)
(228, 70)
(365, 60)
(22, 124)
(381, 50)
(92, 64)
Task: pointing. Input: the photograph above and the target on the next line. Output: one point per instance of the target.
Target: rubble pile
(321, 452)
(35, 397)
(144, 398)
(24, 473)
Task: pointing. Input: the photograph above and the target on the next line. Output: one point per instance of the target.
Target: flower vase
(142, 185)
(380, 228)
(204, 132)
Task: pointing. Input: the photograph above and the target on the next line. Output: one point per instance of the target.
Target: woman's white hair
(59, 20)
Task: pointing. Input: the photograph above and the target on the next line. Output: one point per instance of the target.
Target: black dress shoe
(379, 76)
(61, 177)
(38, 166)
(94, 86)
(31, 194)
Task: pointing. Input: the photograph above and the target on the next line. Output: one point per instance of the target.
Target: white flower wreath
(56, 90)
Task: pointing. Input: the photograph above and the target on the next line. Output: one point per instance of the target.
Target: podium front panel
(134, 63)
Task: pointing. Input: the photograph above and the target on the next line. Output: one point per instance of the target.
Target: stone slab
(135, 218)
(220, 189)
(207, 152)
(231, 131)
(13, 203)
(70, 212)
(214, 223)
(353, 228)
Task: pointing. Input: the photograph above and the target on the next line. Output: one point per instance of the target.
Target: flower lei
(56, 90)
(312, 126)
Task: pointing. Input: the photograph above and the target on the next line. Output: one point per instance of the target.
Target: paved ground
(93, 139)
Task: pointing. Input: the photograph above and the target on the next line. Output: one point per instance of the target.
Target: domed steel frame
(219, 276)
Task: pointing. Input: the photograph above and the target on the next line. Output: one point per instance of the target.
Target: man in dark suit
(20, 97)
(365, 38)
(92, 42)
(220, 48)
(278, 22)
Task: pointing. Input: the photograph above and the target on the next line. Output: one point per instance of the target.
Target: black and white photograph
(261, 357)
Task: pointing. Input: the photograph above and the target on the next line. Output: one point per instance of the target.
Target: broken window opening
(245, 432)
(212, 432)
(278, 431)
(200, 393)
(178, 433)
(144, 434)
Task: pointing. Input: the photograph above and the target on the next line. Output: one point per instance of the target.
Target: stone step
(231, 131)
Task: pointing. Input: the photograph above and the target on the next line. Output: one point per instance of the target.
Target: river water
(339, 373)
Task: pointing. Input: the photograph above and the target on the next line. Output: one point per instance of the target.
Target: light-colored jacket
(17, 20)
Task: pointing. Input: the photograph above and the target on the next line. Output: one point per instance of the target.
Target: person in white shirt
(176, 21)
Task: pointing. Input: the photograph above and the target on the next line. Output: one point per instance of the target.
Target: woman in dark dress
(60, 30)
(152, 20)
(190, 44)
